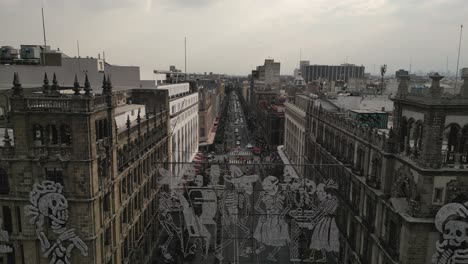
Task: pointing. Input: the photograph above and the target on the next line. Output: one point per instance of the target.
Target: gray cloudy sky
(233, 36)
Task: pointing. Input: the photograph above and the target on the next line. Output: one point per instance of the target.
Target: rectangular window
(18, 218)
(438, 192)
(55, 175)
(107, 237)
(106, 203)
(7, 221)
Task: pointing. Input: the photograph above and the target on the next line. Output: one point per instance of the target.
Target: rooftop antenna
(44, 32)
(410, 64)
(300, 58)
(78, 49)
(185, 56)
(458, 60)
(446, 68)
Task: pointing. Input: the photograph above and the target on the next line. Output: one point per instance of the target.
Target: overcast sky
(233, 36)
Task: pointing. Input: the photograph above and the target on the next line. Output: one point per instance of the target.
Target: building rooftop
(125, 108)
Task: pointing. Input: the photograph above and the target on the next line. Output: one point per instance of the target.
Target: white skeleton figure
(272, 229)
(5, 238)
(452, 222)
(175, 201)
(48, 202)
(168, 204)
(324, 230)
(232, 202)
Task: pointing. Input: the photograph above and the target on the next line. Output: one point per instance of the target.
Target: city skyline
(150, 33)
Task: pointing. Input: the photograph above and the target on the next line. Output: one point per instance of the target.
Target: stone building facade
(74, 181)
(269, 111)
(393, 181)
(209, 94)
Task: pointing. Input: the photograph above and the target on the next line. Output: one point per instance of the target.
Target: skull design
(55, 206)
(456, 232)
(199, 180)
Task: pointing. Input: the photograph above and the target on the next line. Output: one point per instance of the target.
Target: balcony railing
(39, 151)
(134, 152)
(453, 158)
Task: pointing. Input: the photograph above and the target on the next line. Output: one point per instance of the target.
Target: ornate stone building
(392, 182)
(78, 173)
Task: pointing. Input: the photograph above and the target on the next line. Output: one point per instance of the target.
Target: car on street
(238, 143)
(249, 146)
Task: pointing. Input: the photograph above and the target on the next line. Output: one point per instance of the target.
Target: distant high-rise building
(269, 72)
(332, 72)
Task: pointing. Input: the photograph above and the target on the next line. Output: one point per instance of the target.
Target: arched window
(360, 160)
(464, 141)
(4, 185)
(376, 169)
(351, 153)
(105, 128)
(452, 138)
(65, 134)
(403, 134)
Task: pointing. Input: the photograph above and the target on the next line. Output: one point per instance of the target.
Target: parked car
(238, 143)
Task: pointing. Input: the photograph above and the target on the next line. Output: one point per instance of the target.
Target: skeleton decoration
(247, 213)
(234, 206)
(174, 202)
(4, 238)
(272, 229)
(324, 230)
(452, 222)
(48, 203)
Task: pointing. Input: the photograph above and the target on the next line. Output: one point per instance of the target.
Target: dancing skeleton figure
(48, 202)
(324, 231)
(175, 201)
(231, 203)
(272, 229)
(167, 205)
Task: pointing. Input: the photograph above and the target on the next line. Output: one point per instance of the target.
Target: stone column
(403, 86)
(436, 90)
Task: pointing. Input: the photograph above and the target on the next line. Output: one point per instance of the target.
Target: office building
(332, 72)
(183, 130)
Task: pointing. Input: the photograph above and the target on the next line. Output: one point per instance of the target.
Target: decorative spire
(6, 139)
(76, 86)
(128, 129)
(109, 83)
(17, 89)
(147, 123)
(106, 85)
(104, 82)
(55, 87)
(139, 123)
(87, 86)
(45, 86)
